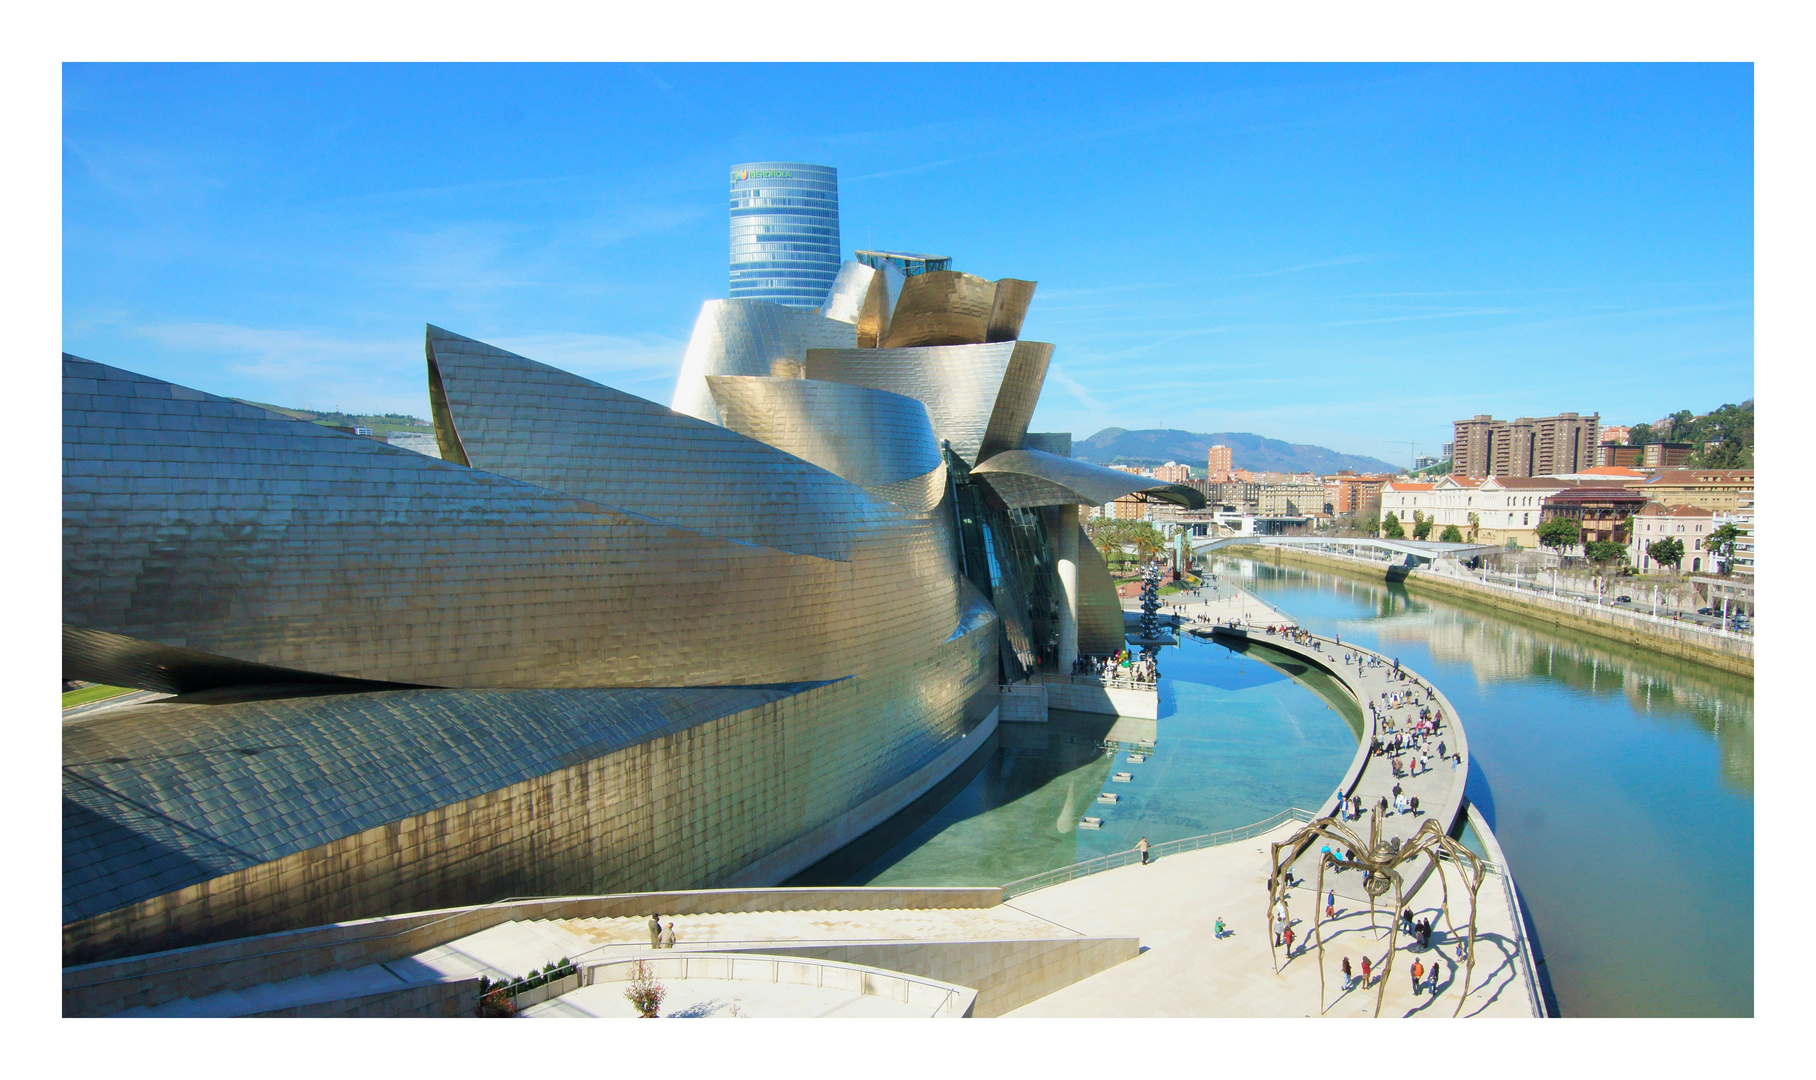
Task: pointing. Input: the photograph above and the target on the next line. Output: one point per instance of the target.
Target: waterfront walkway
(1174, 903)
(1216, 602)
(1186, 970)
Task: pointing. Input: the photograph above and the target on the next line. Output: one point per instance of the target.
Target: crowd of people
(1122, 665)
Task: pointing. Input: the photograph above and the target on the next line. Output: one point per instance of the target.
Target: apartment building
(1711, 489)
(1565, 443)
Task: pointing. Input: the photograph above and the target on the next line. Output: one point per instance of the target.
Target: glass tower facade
(784, 232)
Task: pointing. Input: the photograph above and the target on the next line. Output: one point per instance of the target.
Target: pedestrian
(1368, 977)
(1143, 848)
(1347, 976)
(1418, 976)
(1289, 942)
(1219, 928)
(1330, 905)
(655, 931)
(668, 939)
(1434, 977)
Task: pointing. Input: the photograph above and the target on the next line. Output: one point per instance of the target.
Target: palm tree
(1475, 525)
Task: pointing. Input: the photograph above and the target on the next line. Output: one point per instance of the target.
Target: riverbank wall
(1733, 656)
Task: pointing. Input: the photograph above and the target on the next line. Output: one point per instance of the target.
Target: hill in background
(380, 423)
(1157, 446)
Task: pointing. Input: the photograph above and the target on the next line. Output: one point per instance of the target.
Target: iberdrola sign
(758, 174)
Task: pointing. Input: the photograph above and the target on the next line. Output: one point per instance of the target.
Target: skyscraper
(784, 232)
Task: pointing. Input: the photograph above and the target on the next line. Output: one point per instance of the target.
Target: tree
(1451, 535)
(1475, 525)
(1666, 552)
(1369, 520)
(1390, 527)
(1112, 538)
(1603, 552)
(1641, 434)
(1559, 533)
(1720, 543)
(1421, 526)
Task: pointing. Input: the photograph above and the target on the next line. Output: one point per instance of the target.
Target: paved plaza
(1186, 970)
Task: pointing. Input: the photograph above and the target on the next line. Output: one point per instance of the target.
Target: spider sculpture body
(1380, 861)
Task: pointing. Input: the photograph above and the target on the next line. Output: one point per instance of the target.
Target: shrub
(645, 993)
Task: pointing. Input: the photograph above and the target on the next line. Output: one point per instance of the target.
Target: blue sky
(1348, 255)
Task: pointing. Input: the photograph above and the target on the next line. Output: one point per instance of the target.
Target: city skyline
(1352, 256)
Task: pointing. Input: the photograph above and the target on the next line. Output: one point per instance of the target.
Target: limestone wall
(1006, 974)
(106, 987)
(1084, 695)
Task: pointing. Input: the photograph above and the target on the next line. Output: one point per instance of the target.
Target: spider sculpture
(1380, 861)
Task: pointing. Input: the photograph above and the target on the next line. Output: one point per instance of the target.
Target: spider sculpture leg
(1393, 938)
(1318, 930)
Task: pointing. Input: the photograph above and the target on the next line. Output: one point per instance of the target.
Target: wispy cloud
(302, 367)
(1321, 264)
(1464, 314)
(1072, 386)
(911, 170)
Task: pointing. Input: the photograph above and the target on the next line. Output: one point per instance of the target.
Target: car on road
(1623, 599)
(1705, 611)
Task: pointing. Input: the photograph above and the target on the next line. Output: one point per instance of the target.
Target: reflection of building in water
(1499, 650)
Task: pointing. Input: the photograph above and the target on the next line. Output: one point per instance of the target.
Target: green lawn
(92, 693)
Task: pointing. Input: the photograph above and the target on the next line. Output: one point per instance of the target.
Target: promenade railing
(1077, 870)
(1579, 604)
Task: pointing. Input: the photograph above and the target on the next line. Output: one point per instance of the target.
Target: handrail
(1113, 860)
(951, 990)
(1631, 612)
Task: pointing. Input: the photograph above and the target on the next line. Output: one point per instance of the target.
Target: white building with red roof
(1504, 507)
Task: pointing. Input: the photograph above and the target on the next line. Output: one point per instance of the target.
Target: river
(1619, 784)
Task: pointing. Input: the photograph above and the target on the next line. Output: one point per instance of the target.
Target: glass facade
(784, 232)
(910, 263)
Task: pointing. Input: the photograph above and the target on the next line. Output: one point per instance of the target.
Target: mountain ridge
(1156, 446)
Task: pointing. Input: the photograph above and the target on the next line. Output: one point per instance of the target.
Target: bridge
(1413, 552)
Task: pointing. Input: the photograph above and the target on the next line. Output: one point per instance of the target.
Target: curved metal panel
(744, 337)
(959, 384)
(250, 807)
(1015, 402)
(150, 781)
(944, 307)
(1036, 478)
(554, 429)
(869, 437)
(845, 300)
(197, 522)
(879, 306)
(918, 494)
(1013, 295)
(1100, 623)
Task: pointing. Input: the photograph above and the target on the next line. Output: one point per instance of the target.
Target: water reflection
(1618, 781)
(1507, 648)
(1242, 735)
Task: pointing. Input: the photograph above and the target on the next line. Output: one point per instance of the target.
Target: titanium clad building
(784, 232)
(598, 646)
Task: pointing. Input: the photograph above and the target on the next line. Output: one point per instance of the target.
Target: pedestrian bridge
(1411, 552)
